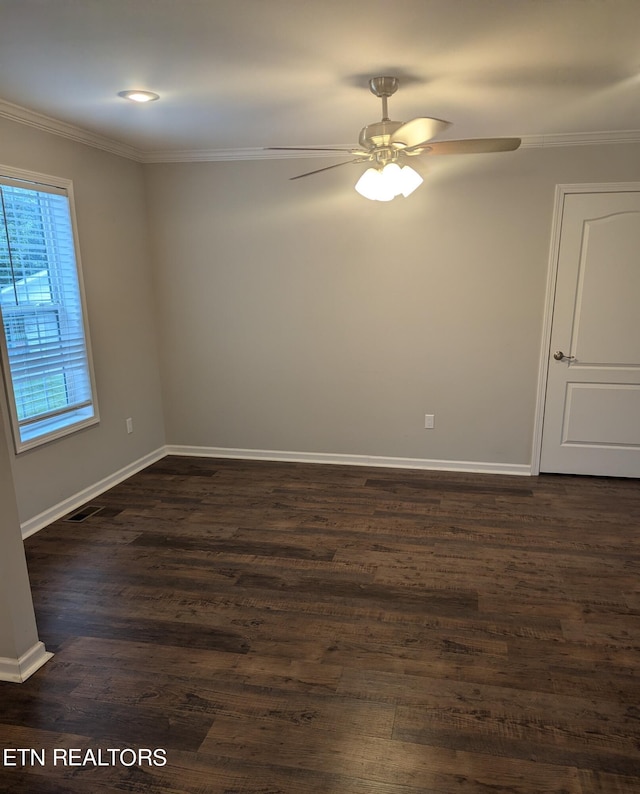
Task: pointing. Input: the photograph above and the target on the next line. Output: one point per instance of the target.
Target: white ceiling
(245, 74)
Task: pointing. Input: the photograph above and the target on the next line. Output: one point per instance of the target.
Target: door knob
(560, 356)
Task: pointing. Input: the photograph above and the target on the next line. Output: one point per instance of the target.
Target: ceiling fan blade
(418, 130)
(327, 168)
(472, 146)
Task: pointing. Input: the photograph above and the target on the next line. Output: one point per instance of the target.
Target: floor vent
(83, 513)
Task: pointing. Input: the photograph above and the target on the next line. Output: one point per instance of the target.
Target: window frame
(88, 415)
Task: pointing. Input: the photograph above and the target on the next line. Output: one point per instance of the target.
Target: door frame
(561, 192)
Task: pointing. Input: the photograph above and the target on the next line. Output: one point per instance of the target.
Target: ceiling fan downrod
(384, 87)
(378, 134)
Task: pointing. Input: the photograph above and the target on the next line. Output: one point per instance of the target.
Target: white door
(592, 406)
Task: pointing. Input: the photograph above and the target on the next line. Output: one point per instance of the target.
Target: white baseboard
(520, 469)
(42, 520)
(18, 670)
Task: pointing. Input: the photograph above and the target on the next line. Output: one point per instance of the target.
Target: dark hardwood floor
(299, 629)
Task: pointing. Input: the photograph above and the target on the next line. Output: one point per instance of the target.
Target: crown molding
(31, 118)
(224, 155)
(580, 139)
(48, 124)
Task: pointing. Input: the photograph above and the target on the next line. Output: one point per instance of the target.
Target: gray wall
(299, 316)
(112, 228)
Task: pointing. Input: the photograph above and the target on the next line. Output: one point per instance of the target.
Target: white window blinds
(45, 353)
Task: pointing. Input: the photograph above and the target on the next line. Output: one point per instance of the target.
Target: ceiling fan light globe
(410, 180)
(371, 186)
(392, 176)
(386, 184)
(374, 186)
(366, 185)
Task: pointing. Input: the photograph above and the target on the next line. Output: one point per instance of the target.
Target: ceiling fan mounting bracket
(383, 86)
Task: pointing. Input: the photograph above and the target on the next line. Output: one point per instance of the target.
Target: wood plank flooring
(299, 629)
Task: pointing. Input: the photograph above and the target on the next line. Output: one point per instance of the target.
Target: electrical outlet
(429, 421)
(129, 425)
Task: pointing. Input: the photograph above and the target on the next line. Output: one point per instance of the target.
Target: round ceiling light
(139, 96)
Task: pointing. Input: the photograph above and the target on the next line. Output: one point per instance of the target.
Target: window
(45, 353)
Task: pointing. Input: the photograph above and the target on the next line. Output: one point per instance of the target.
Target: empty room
(320, 401)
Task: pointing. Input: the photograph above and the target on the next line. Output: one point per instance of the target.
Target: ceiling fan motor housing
(378, 134)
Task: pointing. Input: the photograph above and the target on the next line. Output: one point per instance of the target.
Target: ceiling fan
(388, 144)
